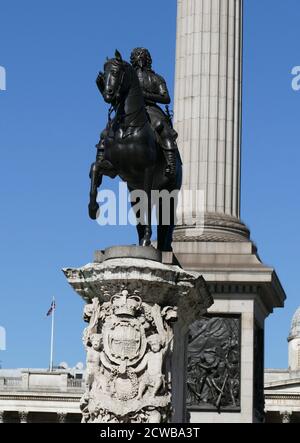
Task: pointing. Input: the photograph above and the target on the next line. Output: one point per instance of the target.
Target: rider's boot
(170, 150)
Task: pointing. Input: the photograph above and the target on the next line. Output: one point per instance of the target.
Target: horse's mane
(116, 62)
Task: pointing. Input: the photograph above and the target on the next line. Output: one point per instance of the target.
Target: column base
(217, 227)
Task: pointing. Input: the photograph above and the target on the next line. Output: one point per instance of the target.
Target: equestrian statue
(139, 141)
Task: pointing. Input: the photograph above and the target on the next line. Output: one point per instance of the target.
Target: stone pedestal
(135, 355)
(226, 348)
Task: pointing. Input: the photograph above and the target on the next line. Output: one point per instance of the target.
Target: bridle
(117, 94)
(115, 107)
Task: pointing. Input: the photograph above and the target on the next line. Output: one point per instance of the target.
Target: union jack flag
(51, 309)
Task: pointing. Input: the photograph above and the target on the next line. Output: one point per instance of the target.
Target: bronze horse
(132, 151)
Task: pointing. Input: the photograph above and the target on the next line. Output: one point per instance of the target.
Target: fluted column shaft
(208, 100)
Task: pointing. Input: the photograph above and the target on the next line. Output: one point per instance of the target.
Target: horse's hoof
(93, 211)
(145, 242)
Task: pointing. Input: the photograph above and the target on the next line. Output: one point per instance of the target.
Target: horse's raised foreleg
(96, 180)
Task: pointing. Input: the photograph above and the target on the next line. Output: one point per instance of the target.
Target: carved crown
(125, 304)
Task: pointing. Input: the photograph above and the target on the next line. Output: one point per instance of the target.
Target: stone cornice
(283, 383)
(273, 396)
(36, 397)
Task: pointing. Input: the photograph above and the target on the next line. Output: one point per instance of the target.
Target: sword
(218, 402)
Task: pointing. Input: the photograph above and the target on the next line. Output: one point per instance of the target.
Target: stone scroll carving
(133, 300)
(128, 343)
(213, 371)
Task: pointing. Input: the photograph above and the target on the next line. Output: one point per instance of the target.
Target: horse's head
(113, 78)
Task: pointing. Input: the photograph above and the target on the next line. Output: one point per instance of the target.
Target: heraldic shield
(124, 340)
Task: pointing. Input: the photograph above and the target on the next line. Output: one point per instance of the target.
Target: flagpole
(52, 335)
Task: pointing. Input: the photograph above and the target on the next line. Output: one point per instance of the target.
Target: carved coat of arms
(124, 336)
(127, 341)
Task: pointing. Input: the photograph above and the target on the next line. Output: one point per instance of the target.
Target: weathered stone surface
(147, 253)
(133, 304)
(155, 282)
(127, 342)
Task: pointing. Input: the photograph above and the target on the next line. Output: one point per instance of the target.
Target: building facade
(40, 396)
(282, 386)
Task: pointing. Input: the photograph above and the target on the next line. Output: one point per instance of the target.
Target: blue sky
(50, 118)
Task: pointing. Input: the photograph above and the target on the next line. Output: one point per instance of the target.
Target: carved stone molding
(282, 396)
(51, 398)
(217, 227)
(152, 279)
